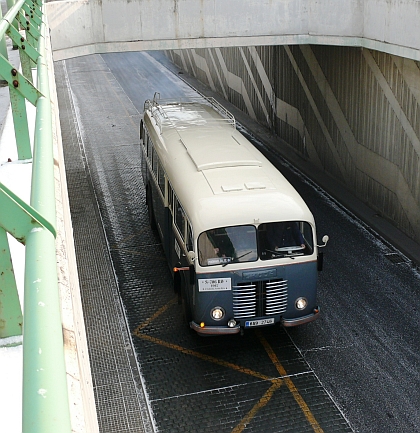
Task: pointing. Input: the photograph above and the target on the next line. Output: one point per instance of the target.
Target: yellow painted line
(155, 316)
(204, 357)
(276, 383)
(137, 332)
(259, 405)
(292, 388)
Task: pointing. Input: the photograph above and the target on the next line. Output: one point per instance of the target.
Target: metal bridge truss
(45, 400)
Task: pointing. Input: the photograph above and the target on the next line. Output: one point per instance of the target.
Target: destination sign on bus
(214, 284)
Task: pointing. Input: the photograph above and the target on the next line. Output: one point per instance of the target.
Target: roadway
(355, 369)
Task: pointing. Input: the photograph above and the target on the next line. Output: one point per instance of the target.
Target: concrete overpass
(87, 27)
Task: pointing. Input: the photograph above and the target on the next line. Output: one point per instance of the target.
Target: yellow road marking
(259, 405)
(137, 332)
(276, 382)
(204, 357)
(292, 388)
(161, 310)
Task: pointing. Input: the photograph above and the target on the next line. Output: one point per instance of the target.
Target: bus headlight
(217, 313)
(301, 303)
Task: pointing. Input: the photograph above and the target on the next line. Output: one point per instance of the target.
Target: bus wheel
(150, 213)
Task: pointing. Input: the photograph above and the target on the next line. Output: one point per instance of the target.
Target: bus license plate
(260, 322)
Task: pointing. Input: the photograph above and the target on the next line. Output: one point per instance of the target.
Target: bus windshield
(285, 239)
(237, 244)
(228, 244)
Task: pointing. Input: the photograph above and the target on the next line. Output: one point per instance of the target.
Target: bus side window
(179, 218)
(142, 132)
(170, 198)
(154, 161)
(161, 177)
(189, 238)
(147, 141)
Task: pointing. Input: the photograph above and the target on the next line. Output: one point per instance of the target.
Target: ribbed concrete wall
(353, 112)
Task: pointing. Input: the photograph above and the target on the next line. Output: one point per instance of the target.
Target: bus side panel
(143, 165)
(158, 208)
(167, 229)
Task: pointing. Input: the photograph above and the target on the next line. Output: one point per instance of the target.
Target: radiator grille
(261, 298)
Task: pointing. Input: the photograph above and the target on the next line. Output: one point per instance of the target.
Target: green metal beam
(34, 18)
(45, 396)
(21, 88)
(10, 310)
(3, 47)
(45, 405)
(20, 121)
(18, 218)
(22, 43)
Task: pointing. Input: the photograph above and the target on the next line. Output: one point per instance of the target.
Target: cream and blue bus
(239, 240)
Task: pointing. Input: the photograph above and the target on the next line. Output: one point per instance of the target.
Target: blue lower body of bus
(227, 302)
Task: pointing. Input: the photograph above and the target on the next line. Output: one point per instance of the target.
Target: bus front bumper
(301, 320)
(215, 330)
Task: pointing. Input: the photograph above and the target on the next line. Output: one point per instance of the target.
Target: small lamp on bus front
(217, 313)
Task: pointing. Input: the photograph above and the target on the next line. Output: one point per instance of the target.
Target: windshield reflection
(227, 244)
(237, 244)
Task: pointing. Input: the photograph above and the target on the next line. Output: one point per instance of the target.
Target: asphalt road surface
(354, 369)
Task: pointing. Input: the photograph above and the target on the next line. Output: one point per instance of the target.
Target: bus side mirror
(325, 240)
(320, 260)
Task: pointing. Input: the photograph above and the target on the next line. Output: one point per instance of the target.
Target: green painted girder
(21, 88)
(35, 7)
(27, 52)
(10, 309)
(30, 14)
(22, 43)
(19, 218)
(31, 30)
(28, 26)
(20, 121)
(16, 79)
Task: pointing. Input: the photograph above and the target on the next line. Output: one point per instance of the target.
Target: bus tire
(150, 213)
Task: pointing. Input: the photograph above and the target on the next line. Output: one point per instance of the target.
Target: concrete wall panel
(353, 112)
(82, 27)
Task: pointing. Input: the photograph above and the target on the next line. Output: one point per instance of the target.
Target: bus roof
(220, 178)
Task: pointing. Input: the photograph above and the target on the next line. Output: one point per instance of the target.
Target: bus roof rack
(161, 109)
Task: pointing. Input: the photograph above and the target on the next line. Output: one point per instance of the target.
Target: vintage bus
(240, 241)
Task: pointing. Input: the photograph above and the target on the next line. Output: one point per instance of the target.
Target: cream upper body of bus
(220, 178)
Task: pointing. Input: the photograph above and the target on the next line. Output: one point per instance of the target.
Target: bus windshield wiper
(237, 258)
